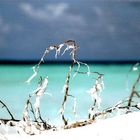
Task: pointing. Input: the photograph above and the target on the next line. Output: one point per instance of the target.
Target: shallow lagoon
(14, 91)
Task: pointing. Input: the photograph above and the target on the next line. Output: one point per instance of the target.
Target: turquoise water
(14, 91)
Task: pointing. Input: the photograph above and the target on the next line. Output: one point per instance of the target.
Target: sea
(14, 91)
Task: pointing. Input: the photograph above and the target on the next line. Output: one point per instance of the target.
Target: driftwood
(5, 106)
(36, 124)
(134, 91)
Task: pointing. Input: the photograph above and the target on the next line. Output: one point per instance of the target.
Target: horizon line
(18, 62)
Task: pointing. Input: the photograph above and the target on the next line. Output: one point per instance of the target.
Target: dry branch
(134, 91)
(9, 112)
(39, 123)
(94, 92)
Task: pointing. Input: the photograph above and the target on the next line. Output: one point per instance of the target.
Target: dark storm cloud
(104, 30)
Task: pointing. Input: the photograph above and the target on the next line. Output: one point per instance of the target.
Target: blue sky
(104, 30)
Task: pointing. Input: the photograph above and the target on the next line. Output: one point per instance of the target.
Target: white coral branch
(32, 76)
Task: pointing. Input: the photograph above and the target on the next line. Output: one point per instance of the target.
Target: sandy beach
(122, 127)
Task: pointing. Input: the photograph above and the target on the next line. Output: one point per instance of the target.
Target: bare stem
(119, 106)
(95, 72)
(133, 90)
(66, 93)
(4, 105)
(31, 106)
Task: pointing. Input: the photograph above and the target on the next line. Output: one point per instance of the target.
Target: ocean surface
(14, 90)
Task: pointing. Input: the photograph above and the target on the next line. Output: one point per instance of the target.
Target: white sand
(123, 127)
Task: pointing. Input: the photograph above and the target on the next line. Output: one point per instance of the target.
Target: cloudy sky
(104, 30)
